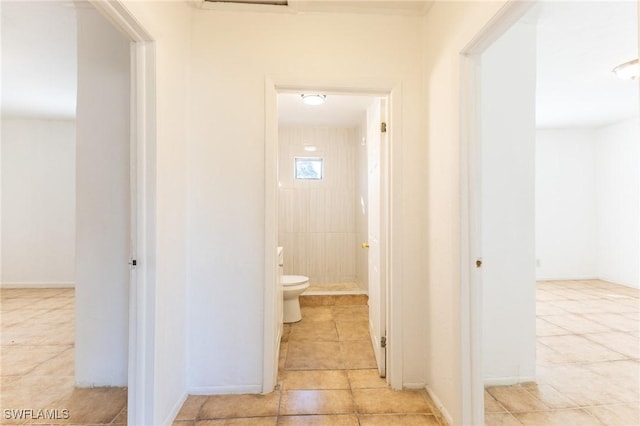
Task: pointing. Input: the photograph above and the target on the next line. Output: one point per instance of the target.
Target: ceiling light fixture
(313, 99)
(629, 70)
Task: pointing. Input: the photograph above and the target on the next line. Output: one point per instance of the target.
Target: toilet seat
(291, 280)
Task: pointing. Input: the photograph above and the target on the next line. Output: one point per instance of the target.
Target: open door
(377, 283)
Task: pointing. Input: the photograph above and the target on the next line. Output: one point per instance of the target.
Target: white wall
(587, 223)
(566, 225)
(38, 202)
(317, 219)
(232, 54)
(102, 203)
(618, 202)
(449, 27)
(508, 203)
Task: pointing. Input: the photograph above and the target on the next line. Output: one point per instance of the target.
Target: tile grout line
(585, 409)
(353, 398)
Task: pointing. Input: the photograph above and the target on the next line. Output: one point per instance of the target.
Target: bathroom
(323, 185)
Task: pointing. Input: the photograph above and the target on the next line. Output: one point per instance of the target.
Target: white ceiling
(579, 43)
(337, 110)
(39, 59)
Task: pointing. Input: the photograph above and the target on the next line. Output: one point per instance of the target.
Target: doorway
(480, 146)
(351, 193)
(323, 216)
(130, 342)
(54, 142)
(75, 239)
(330, 221)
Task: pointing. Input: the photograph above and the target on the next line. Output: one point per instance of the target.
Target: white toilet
(292, 287)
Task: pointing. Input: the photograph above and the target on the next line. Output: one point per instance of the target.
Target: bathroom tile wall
(317, 218)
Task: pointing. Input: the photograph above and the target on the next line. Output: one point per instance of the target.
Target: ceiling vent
(251, 2)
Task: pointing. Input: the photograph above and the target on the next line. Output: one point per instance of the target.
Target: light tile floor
(327, 377)
(588, 360)
(37, 364)
(588, 367)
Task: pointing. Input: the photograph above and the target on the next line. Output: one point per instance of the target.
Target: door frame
(471, 288)
(392, 90)
(140, 383)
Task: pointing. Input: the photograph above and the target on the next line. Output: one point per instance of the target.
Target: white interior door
(377, 293)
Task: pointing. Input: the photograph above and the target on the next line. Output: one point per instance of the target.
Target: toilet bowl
(292, 288)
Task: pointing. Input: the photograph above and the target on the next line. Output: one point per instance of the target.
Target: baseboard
(168, 421)
(617, 282)
(224, 390)
(89, 385)
(439, 405)
(602, 278)
(44, 284)
(413, 386)
(566, 278)
(507, 381)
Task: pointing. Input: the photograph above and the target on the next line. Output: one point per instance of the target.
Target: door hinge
(383, 127)
(133, 263)
(383, 342)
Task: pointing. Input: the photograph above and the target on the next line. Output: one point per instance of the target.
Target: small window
(308, 168)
